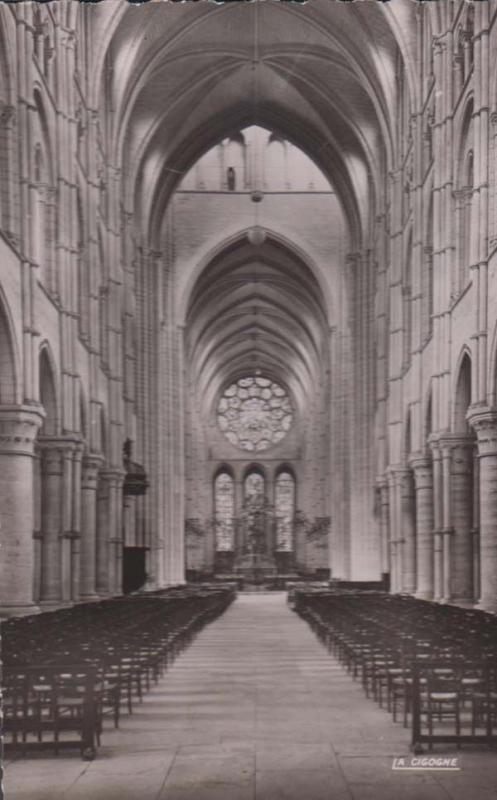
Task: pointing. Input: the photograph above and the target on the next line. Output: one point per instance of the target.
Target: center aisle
(255, 708)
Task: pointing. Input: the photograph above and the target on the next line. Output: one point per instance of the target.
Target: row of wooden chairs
(432, 667)
(94, 661)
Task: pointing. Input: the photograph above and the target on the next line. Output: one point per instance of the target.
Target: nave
(255, 708)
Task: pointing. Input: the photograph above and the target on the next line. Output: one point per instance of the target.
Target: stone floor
(255, 709)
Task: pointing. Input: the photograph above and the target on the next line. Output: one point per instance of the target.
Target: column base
(89, 598)
(53, 605)
(487, 605)
(463, 602)
(424, 595)
(18, 611)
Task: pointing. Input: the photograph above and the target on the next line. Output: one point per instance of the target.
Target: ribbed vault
(256, 308)
(323, 76)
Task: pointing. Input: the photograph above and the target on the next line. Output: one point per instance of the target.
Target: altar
(256, 541)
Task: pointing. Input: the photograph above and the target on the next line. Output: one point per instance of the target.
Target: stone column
(103, 560)
(18, 429)
(129, 521)
(89, 478)
(76, 523)
(394, 524)
(408, 531)
(476, 525)
(51, 522)
(67, 531)
(462, 519)
(115, 483)
(447, 529)
(423, 478)
(382, 485)
(437, 521)
(37, 539)
(485, 426)
(210, 542)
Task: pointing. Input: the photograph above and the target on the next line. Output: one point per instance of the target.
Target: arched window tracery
(254, 413)
(39, 210)
(254, 488)
(224, 511)
(284, 503)
(466, 199)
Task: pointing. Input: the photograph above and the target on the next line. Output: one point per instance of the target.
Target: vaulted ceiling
(257, 307)
(180, 77)
(183, 75)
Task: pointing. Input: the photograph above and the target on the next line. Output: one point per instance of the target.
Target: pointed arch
(492, 374)
(462, 394)
(407, 300)
(254, 466)
(224, 466)
(104, 433)
(428, 417)
(254, 484)
(293, 247)
(285, 504)
(83, 418)
(224, 509)
(9, 372)
(407, 447)
(48, 391)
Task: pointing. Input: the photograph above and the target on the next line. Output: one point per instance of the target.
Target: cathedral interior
(248, 318)
(248, 304)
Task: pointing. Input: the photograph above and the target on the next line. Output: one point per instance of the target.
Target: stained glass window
(224, 510)
(254, 489)
(284, 502)
(254, 413)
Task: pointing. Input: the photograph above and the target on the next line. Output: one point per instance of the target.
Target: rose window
(254, 413)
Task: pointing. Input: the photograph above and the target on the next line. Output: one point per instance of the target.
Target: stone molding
(382, 482)
(433, 444)
(66, 444)
(422, 466)
(90, 467)
(114, 478)
(7, 114)
(484, 423)
(450, 443)
(397, 473)
(19, 426)
(52, 460)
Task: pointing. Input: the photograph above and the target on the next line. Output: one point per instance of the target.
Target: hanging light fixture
(256, 234)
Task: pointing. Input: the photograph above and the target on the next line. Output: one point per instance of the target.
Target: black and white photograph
(248, 399)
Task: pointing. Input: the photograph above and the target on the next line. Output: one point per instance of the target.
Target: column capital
(353, 258)
(90, 466)
(52, 458)
(400, 475)
(422, 466)
(420, 460)
(114, 477)
(382, 482)
(484, 423)
(19, 426)
(65, 443)
(7, 114)
(433, 444)
(92, 461)
(452, 441)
